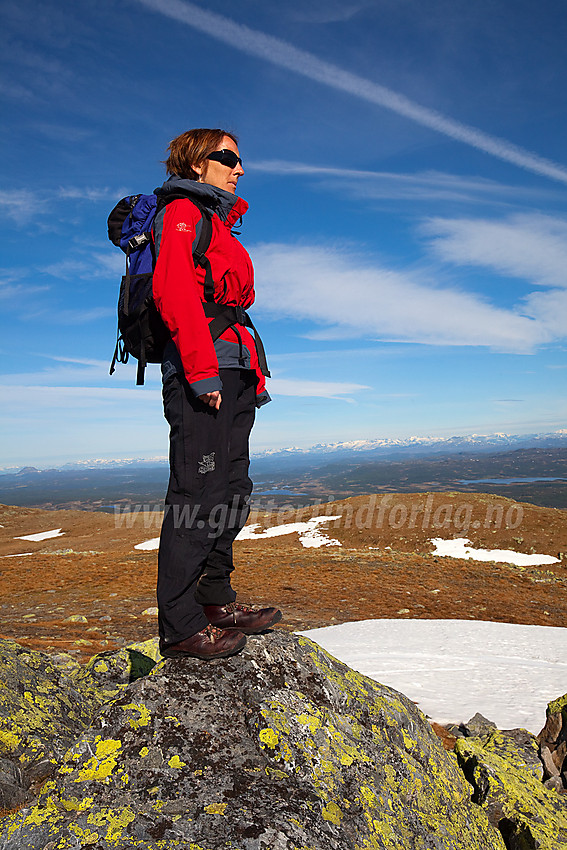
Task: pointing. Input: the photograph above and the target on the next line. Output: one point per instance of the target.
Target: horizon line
(560, 432)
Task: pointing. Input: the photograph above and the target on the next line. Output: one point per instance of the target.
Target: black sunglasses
(226, 157)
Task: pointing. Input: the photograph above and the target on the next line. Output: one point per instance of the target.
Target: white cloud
(73, 317)
(549, 308)
(21, 204)
(351, 297)
(69, 399)
(98, 264)
(15, 91)
(313, 389)
(76, 372)
(328, 355)
(90, 193)
(63, 132)
(9, 276)
(81, 361)
(421, 186)
(528, 246)
(285, 55)
(13, 286)
(79, 422)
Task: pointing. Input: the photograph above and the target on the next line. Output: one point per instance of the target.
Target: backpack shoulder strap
(205, 228)
(200, 253)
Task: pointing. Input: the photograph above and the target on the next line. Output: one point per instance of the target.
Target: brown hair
(192, 148)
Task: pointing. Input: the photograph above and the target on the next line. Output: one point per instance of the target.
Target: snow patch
(309, 535)
(454, 668)
(148, 544)
(461, 547)
(19, 555)
(42, 535)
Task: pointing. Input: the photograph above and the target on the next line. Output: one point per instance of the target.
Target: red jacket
(178, 286)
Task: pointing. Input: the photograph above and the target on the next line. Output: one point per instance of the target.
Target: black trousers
(207, 501)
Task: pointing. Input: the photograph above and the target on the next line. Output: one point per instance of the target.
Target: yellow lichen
(215, 808)
(309, 720)
(516, 794)
(85, 836)
(332, 813)
(115, 820)
(269, 737)
(101, 765)
(274, 773)
(143, 718)
(74, 804)
(329, 748)
(8, 741)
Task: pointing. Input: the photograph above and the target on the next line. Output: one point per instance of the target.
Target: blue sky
(407, 179)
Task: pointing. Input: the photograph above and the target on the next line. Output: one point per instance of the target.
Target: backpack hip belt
(224, 316)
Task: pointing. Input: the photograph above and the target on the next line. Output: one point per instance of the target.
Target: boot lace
(212, 632)
(233, 607)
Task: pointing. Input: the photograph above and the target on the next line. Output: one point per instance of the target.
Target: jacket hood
(227, 206)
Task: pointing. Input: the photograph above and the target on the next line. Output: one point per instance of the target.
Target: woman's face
(220, 175)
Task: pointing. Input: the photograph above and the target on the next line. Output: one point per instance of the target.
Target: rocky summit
(279, 748)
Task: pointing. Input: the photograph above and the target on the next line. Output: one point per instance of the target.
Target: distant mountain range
(534, 474)
(427, 445)
(388, 447)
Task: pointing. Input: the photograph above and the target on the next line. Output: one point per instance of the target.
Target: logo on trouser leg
(207, 464)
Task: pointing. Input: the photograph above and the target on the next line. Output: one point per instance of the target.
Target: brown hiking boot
(242, 618)
(208, 643)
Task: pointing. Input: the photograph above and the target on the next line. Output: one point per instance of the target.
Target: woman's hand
(212, 399)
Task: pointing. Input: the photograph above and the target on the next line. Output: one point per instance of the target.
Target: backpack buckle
(241, 315)
(138, 241)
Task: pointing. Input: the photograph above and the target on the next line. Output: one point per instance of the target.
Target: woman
(210, 391)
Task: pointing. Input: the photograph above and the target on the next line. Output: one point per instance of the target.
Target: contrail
(285, 55)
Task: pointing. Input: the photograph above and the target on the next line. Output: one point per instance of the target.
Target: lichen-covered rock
(46, 703)
(516, 746)
(42, 711)
(66, 663)
(108, 673)
(279, 748)
(528, 815)
(477, 726)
